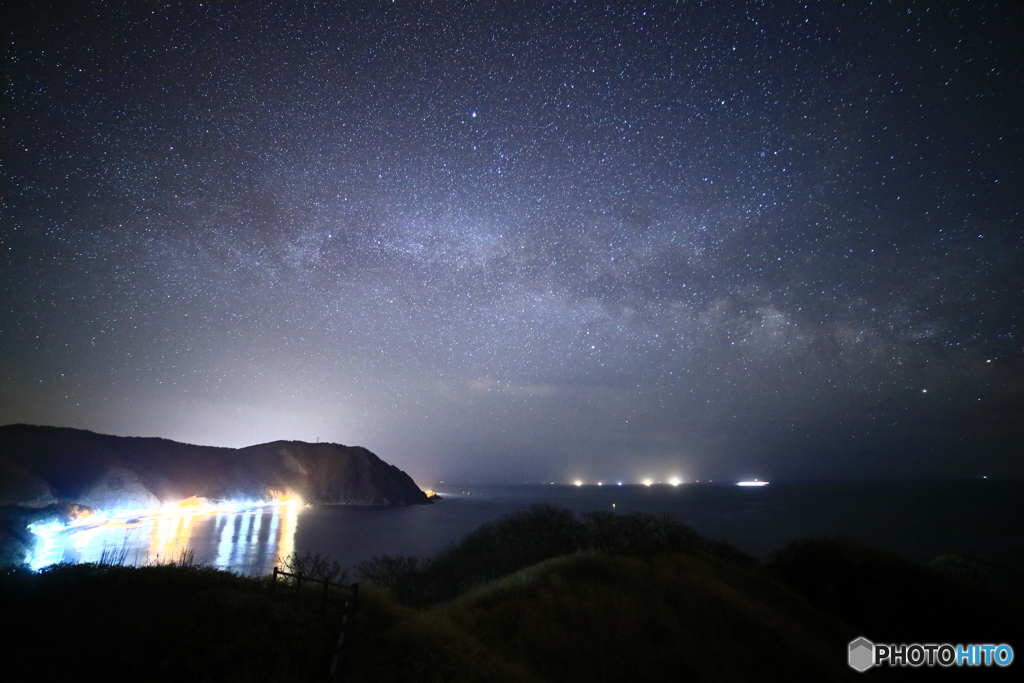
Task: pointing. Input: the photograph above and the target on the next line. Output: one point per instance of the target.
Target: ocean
(916, 519)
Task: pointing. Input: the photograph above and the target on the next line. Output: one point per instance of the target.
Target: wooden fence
(349, 593)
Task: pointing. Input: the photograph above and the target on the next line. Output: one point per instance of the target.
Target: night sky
(511, 243)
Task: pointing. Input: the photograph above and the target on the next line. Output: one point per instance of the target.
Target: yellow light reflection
(224, 524)
(289, 522)
(240, 536)
(244, 539)
(170, 536)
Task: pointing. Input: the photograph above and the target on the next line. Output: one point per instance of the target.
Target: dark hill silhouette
(43, 465)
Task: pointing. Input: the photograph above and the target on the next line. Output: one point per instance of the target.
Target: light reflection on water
(918, 520)
(249, 541)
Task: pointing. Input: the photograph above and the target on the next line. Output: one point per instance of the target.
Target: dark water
(917, 520)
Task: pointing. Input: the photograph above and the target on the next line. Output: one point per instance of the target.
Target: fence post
(336, 661)
(273, 585)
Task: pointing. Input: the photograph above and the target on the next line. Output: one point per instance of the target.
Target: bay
(918, 520)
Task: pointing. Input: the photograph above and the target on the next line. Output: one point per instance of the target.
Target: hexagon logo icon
(862, 654)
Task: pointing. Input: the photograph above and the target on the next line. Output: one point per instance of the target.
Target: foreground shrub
(158, 623)
(991, 576)
(392, 643)
(315, 566)
(533, 535)
(389, 572)
(667, 617)
(889, 599)
(641, 533)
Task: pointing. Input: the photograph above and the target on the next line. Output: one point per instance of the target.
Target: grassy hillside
(663, 615)
(891, 600)
(591, 617)
(539, 596)
(157, 623)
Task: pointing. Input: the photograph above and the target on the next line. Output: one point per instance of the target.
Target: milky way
(527, 242)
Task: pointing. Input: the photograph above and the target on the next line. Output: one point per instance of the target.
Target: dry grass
(591, 617)
(168, 622)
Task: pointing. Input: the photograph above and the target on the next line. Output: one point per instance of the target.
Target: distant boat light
(752, 483)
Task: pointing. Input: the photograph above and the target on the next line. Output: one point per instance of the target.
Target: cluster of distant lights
(47, 549)
(674, 481)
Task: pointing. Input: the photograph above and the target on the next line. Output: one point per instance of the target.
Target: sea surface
(918, 520)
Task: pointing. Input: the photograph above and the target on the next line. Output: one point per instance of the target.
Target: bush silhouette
(648, 534)
(890, 598)
(533, 535)
(315, 566)
(389, 572)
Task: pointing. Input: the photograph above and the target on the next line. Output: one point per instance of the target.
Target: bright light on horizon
(752, 483)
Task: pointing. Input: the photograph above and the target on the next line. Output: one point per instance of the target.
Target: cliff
(44, 465)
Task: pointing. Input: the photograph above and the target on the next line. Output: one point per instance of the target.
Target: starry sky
(499, 242)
